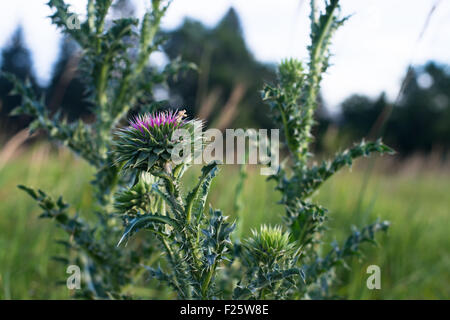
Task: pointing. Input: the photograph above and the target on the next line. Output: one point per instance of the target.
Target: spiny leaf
(143, 222)
(197, 197)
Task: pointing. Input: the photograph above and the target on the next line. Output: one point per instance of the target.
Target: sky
(370, 52)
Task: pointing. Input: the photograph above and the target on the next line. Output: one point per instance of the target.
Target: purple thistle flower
(172, 119)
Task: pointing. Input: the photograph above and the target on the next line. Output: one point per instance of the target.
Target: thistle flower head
(148, 140)
(270, 245)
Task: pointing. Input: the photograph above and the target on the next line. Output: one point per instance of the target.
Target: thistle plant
(189, 249)
(293, 101)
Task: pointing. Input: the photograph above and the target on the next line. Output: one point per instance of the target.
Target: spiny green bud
(270, 245)
(135, 200)
(291, 72)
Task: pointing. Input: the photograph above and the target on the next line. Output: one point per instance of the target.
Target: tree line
(223, 89)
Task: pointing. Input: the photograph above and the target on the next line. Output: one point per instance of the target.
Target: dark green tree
(227, 71)
(359, 114)
(15, 59)
(66, 91)
(419, 122)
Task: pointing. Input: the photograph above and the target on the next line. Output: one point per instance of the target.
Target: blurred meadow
(414, 256)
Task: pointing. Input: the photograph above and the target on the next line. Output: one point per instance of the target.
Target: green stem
(286, 131)
(262, 295)
(314, 73)
(174, 265)
(207, 281)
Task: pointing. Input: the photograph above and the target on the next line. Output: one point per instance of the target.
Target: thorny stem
(206, 282)
(191, 247)
(315, 70)
(286, 131)
(174, 265)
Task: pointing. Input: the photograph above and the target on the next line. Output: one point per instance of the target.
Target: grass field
(414, 256)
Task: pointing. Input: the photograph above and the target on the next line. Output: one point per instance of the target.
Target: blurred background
(390, 77)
